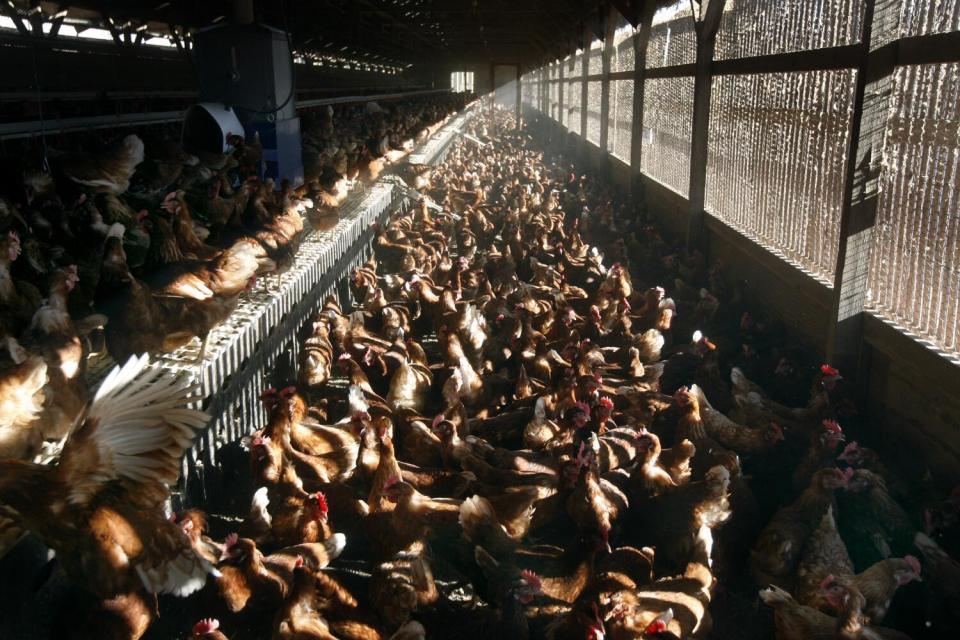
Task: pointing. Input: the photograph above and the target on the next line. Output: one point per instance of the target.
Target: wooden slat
(702, 88)
(640, 42)
(864, 157)
(843, 57)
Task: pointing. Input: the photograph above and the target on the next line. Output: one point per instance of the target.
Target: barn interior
(581, 319)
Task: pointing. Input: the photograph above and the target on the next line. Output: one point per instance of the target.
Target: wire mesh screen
(594, 124)
(920, 18)
(595, 66)
(571, 104)
(778, 144)
(667, 130)
(623, 58)
(620, 123)
(761, 27)
(553, 97)
(577, 69)
(672, 38)
(915, 265)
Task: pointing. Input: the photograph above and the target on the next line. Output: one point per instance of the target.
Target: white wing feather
(142, 425)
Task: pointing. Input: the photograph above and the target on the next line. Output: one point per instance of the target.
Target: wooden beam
(608, 49)
(861, 189)
(842, 57)
(108, 23)
(55, 25)
(561, 90)
(935, 48)
(11, 12)
(706, 40)
(629, 9)
(640, 42)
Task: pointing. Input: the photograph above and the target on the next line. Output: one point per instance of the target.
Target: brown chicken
(110, 171)
(53, 335)
(196, 297)
(101, 506)
(779, 546)
(298, 618)
(21, 401)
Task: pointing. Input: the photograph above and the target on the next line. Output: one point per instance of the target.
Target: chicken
(860, 457)
(196, 298)
(53, 334)
(298, 618)
(679, 523)
(248, 578)
(402, 584)
(509, 592)
(942, 573)
(823, 554)
(778, 548)
(207, 629)
(101, 506)
(414, 517)
(21, 402)
(670, 606)
(108, 172)
(736, 437)
(872, 524)
(588, 505)
(498, 523)
(129, 305)
(316, 357)
(18, 299)
(795, 621)
(851, 623)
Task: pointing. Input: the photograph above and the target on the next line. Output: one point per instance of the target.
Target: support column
(561, 92)
(605, 84)
(640, 41)
(519, 107)
(861, 185)
(706, 29)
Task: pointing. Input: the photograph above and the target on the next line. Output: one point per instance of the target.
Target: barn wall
(911, 394)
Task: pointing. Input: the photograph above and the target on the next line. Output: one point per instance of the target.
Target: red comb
(231, 540)
(269, 391)
(826, 582)
(205, 626)
(827, 370)
(657, 626)
(584, 407)
(913, 562)
(321, 502)
(286, 392)
(299, 562)
(832, 426)
(531, 578)
(606, 403)
(437, 420)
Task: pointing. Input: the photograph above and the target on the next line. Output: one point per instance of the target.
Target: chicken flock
(143, 248)
(512, 432)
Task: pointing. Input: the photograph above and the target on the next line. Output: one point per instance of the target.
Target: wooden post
(640, 42)
(584, 67)
(518, 108)
(864, 156)
(608, 50)
(706, 29)
(561, 90)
